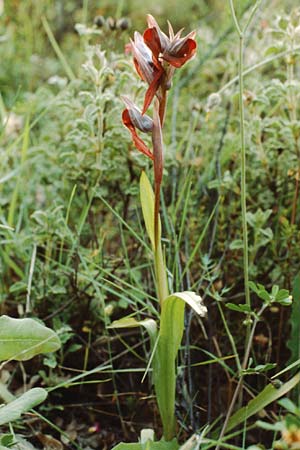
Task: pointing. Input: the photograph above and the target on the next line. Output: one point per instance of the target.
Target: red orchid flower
(132, 119)
(149, 70)
(172, 49)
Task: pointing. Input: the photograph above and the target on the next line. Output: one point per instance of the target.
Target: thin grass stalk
(241, 379)
(249, 331)
(244, 182)
(243, 162)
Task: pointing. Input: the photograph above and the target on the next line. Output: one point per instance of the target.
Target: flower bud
(247, 322)
(123, 24)
(140, 121)
(111, 23)
(99, 21)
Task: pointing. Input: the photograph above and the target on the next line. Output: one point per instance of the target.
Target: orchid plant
(156, 56)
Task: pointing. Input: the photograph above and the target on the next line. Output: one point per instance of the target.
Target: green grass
(69, 185)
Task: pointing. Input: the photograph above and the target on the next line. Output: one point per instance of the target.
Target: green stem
(159, 263)
(161, 274)
(240, 33)
(250, 331)
(230, 337)
(241, 379)
(243, 179)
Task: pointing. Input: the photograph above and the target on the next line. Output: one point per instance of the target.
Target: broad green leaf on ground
(150, 445)
(13, 410)
(267, 396)
(147, 201)
(21, 339)
(170, 335)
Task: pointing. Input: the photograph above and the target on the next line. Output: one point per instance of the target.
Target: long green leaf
(13, 410)
(21, 339)
(267, 396)
(147, 201)
(130, 322)
(164, 368)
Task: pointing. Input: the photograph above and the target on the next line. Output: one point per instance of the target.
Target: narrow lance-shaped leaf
(263, 399)
(147, 201)
(21, 339)
(130, 322)
(170, 336)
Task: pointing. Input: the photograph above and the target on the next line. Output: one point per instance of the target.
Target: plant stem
(243, 161)
(159, 263)
(162, 107)
(243, 181)
(249, 331)
(293, 116)
(156, 215)
(241, 379)
(157, 140)
(230, 337)
(161, 274)
(257, 66)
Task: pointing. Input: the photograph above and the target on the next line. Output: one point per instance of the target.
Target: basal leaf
(21, 339)
(170, 335)
(13, 410)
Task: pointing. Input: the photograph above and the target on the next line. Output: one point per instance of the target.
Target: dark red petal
(138, 142)
(152, 89)
(151, 39)
(186, 52)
